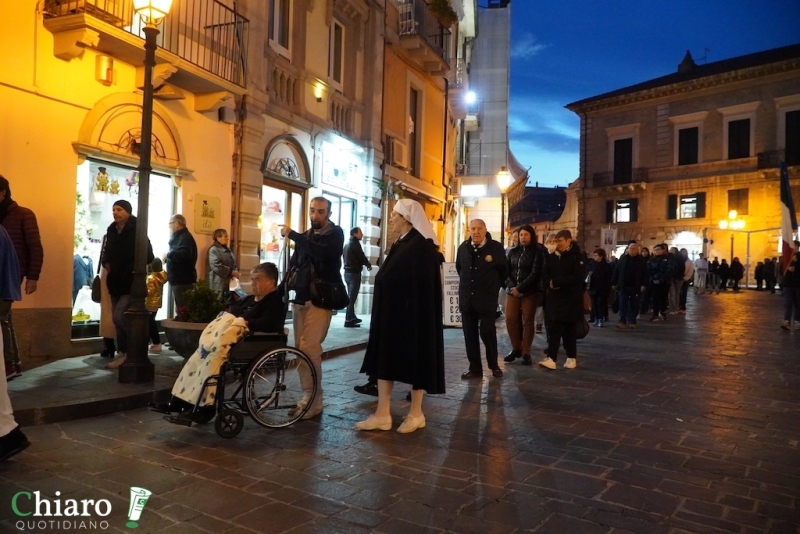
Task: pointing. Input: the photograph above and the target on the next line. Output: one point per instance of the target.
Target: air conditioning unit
(461, 169)
(397, 153)
(455, 187)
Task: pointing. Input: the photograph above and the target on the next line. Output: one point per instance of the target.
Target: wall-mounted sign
(207, 214)
(452, 313)
(342, 169)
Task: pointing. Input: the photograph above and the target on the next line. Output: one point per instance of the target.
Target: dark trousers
(178, 292)
(474, 325)
(770, 285)
(645, 300)
(353, 282)
(155, 338)
(759, 284)
(557, 331)
(628, 305)
(660, 293)
(599, 306)
(791, 302)
(684, 295)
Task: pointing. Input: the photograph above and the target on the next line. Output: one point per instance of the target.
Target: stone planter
(183, 337)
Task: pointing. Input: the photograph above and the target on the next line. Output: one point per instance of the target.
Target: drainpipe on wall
(238, 147)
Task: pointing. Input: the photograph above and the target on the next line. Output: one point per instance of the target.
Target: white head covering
(413, 212)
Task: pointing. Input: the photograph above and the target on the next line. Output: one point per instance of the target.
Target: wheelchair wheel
(273, 390)
(229, 423)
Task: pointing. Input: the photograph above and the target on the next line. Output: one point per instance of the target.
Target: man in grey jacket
(354, 260)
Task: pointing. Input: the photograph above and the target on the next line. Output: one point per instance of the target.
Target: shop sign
(206, 214)
(341, 169)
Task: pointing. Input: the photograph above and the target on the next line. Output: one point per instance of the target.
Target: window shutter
(672, 207)
(609, 211)
(701, 205)
(634, 209)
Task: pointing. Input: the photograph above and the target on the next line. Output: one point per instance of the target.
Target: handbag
(327, 295)
(587, 303)
(581, 328)
(96, 292)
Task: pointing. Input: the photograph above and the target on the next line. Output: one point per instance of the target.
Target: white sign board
(452, 315)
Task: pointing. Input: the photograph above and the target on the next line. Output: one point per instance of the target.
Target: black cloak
(406, 342)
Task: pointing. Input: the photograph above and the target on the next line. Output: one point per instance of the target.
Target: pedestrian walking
(701, 272)
(688, 276)
(630, 279)
(23, 231)
(677, 268)
(12, 440)
(563, 278)
(406, 341)
(181, 260)
(317, 255)
(523, 293)
(482, 269)
(354, 261)
(659, 281)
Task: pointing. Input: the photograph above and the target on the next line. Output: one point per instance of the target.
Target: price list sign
(452, 315)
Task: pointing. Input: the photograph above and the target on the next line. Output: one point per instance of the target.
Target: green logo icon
(139, 498)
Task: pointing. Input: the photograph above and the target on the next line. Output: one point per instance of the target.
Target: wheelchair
(264, 373)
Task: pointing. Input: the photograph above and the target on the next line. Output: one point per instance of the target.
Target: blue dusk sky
(567, 50)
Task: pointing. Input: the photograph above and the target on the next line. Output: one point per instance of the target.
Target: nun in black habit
(405, 336)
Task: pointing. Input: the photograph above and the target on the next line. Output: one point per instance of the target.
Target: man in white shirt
(701, 271)
(688, 275)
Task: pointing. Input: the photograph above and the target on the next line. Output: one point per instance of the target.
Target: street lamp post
(137, 367)
(733, 224)
(504, 180)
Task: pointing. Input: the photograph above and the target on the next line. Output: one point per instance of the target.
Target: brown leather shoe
(471, 374)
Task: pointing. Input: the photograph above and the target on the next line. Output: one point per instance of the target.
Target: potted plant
(443, 11)
(203, 304)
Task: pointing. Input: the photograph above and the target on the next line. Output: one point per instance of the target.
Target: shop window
(688, 146)
(280, 25)
(738, 199)
(336, 57)
(622, 211)
(99, 185)
(691, 206)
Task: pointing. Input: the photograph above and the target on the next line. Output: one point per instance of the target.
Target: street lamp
(137, 367)
(733, 224)
(504, 181)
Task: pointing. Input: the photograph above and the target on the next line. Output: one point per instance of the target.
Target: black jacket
(354, 257)
(482, 272)
(525, 265)
(118, 257)
(182, 258)
(792, 279)
(601, 277)
(321, 251)
(266, 315)
(567, 272)
(630, 273)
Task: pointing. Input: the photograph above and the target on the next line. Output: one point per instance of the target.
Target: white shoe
(155, 347)
(549, 363)
(374, 422)
(411, 423)
(119, 360)
(571, 363)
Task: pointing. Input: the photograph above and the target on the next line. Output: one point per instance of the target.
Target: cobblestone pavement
(686, 426)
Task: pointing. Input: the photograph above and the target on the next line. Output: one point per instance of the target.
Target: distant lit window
(622, 211)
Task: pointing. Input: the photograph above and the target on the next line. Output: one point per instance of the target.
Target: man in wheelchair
(263, 311)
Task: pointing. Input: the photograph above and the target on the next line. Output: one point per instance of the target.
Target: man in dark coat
(563, 277)
(406, 342)
(482, 268)
(20, 223)
(630, 279)
(354, 260)
(181, 259)
(317, 255)
(118, 259)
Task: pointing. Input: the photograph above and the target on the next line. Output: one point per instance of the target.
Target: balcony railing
(206, 33)
(416, 19)
(600, 179)
(457, 77)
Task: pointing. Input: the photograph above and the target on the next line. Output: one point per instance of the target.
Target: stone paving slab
(688, 426)
(79, 387)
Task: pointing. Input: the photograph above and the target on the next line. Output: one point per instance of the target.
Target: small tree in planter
(443, 11)
(203, 304)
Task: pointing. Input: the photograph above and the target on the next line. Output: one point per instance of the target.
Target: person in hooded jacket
(524, 293)
(599, 286)
(118, 259)
(737, 273)
(563, 278)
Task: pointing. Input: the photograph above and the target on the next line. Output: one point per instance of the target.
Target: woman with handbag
(221, 269)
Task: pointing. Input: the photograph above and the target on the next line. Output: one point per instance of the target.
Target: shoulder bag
(327, 295)
(96, 291)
